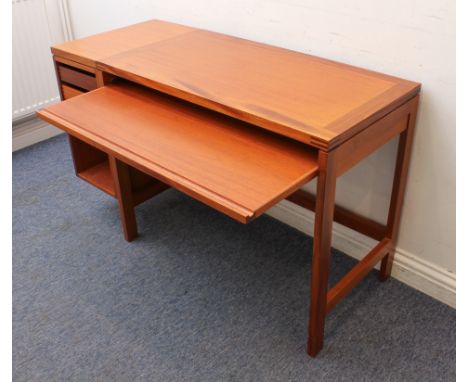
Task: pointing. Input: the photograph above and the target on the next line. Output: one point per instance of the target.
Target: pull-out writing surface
(230, 165)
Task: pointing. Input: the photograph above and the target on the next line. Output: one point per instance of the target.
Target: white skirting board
(407, 268)
(32, 131)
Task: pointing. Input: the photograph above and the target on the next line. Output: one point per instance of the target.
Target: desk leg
(399, 184)
(123, 188)
(325, 204)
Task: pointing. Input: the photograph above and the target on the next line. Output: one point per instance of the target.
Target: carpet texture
(197, 297)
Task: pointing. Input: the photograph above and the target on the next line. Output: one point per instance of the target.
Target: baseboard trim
(32, 131)
(407, 268)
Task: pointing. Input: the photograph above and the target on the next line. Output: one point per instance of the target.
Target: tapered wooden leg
(398, 191)
(386, 266)
(121, 174)
(325, 204)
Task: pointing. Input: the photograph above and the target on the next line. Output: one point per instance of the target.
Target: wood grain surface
(70, 92)
(198, 121)
(90, 49)
(77, 78)
(237, 168)
(316, 101)
(307, 98)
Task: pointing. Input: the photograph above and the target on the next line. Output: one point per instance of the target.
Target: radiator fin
(34, 83)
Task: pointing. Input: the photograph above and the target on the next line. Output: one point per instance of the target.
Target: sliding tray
(230, 165)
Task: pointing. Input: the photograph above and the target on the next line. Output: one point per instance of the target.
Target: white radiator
(34, 83)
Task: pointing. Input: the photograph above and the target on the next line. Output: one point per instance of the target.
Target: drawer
(69, 92)
(78, 78)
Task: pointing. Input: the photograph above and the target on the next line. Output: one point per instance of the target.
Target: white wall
(410, 39)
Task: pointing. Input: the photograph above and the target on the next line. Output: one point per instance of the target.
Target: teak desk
(236, 124)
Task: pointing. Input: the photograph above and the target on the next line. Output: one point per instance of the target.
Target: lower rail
(355, 275)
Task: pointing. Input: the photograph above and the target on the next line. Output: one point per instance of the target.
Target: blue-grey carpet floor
(197, 297)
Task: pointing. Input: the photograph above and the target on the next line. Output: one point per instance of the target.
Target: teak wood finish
(70, 92)
(288, 117)
(230, 165)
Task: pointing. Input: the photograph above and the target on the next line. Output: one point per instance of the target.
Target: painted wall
(410, 39)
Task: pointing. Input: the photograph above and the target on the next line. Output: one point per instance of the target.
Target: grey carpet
(197, 297)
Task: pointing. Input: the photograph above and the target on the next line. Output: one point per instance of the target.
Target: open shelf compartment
(100, 176)
(92, 165)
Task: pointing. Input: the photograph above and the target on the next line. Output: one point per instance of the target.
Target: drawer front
(74, 77)
(69, 92)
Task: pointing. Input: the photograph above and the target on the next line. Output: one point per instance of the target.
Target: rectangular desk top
(236, 168)
(310, 99)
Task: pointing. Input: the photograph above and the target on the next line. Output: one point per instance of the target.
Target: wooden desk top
(89, 50)
(236, 168)
(313, 100)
